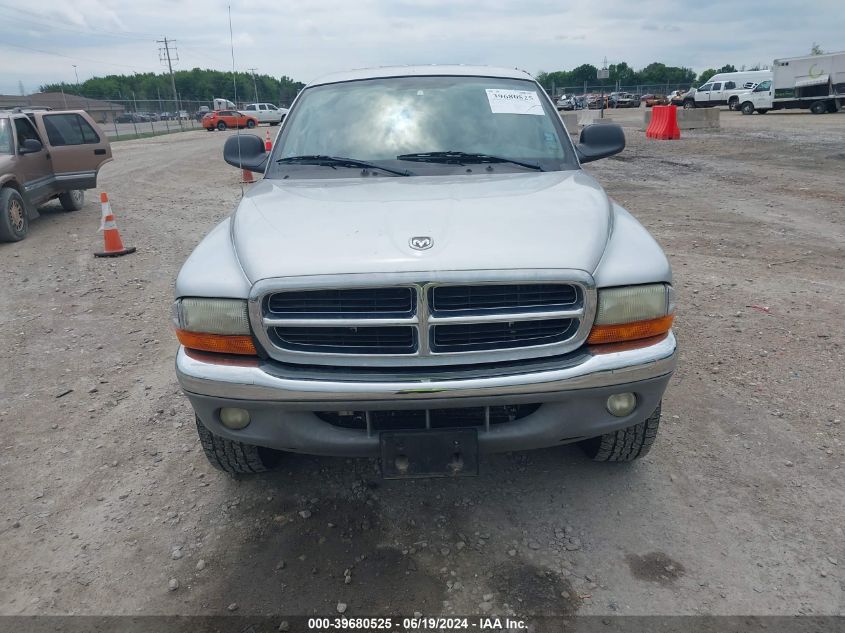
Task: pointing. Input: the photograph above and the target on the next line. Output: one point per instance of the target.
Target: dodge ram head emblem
(421, 243)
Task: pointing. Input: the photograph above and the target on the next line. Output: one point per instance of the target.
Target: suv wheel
(14, 223)
(626, 444)
(747, 108)
(250, 123)
(72, 200)
(689, 104)
(236, 458)
(221, 125)
(733, 103)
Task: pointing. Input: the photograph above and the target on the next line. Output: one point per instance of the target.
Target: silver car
(424, 274)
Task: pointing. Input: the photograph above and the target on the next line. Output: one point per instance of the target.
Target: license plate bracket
(418, 454)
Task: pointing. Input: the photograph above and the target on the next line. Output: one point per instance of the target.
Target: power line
(46, 22)
(84, 59)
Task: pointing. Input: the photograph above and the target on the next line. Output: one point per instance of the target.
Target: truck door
(702, 95)
(34, 169)
(717, 95)
(762, 95)
(78, 147)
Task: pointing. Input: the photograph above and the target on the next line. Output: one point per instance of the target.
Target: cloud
(43, 40)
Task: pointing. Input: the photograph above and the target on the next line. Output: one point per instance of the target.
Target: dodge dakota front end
(424, 274)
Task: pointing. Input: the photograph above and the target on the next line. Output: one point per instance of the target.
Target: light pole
(77, 77)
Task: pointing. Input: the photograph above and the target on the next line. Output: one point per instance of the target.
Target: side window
(69, 129)
(763, 87)
(262, 107)
(26, 130)
(705, 88)
(717, 86)
(730, 85)
(270, 106)
(251, 106)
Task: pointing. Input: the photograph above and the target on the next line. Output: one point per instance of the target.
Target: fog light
(235, 418)
(621, 404)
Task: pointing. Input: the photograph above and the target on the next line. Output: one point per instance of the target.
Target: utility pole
(167, 56)
(254, 85)
(77, 77)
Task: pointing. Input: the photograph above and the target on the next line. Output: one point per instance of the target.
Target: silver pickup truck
(424, 274)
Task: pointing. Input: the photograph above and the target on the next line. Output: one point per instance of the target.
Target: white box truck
(813, 82)
(724, 89)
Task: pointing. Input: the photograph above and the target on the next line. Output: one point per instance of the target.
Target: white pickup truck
(265, 112)
(724, 89)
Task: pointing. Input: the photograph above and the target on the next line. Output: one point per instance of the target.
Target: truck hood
(365, 225)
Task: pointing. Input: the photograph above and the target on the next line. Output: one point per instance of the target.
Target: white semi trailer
(814, 82)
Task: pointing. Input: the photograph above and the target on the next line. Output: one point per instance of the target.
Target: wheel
(624, 445)
(747, 108)
(235, 458)
(250, 123)
(210, 129)
(72, 200)
(819, 107)
(689, 104)
(221, 125)
(732, 103)
(274, 124)
(14, 223)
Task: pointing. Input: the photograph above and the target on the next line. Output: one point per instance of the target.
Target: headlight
(632, 312)
(213, 325)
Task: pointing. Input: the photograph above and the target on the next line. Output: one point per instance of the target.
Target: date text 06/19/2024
(416, 624)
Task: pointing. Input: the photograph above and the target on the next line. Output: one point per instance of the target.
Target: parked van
(725, 88)
(812, 82)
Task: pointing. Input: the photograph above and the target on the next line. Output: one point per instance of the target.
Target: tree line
(191, 85)
(655, 73)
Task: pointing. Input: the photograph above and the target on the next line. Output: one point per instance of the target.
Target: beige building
(100, 111)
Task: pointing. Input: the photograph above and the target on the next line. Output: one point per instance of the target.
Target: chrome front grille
(399, 320)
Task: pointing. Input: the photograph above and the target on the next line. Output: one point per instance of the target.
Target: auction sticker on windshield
(514, 101)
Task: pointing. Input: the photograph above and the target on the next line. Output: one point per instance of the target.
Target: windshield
(392, 121)
(5, 137)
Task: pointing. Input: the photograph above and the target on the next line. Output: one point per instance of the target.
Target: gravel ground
(109, 506)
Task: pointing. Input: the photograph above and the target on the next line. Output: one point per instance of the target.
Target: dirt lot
(106, 495)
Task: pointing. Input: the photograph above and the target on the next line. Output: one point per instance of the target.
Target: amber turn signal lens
(601, 334)
(222, 343)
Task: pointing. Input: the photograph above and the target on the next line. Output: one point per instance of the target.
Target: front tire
(626, 444)
(689, 104)
(233, 457)
(250, 124)
(747, 108)
(733, 103)
(221, 125)
(72, 200)
(14, 222)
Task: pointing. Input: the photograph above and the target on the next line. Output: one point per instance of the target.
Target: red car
(222, 119)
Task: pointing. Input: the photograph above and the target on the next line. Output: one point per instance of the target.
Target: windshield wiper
(464, 158)
(339, 161)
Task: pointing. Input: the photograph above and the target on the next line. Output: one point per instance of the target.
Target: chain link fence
(123, 119)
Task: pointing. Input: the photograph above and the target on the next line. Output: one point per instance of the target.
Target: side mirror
(245, 151)
(600, 140)
(31, 146)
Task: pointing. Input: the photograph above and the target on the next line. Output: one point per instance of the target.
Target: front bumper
(281, 399)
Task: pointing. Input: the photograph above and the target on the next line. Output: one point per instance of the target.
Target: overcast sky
(42, 40)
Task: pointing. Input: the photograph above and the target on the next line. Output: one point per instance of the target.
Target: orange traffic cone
(268, 144)
(246, 177)
(113, 244)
